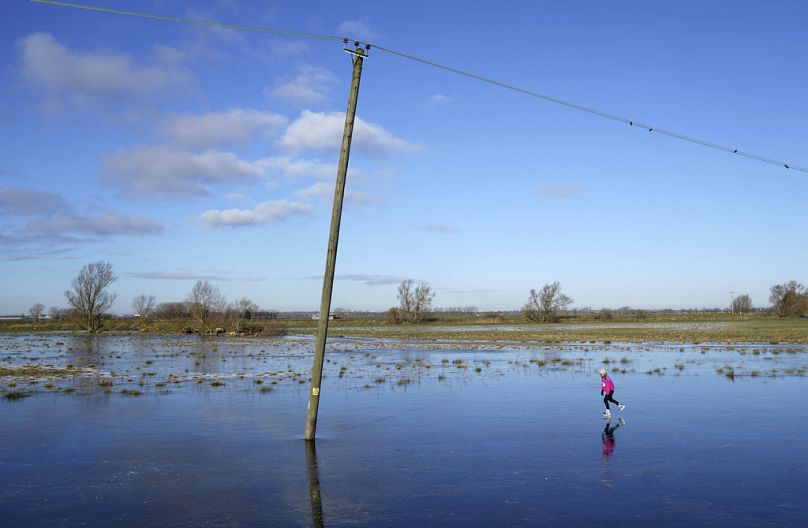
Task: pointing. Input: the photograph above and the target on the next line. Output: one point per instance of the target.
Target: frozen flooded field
(178, 431)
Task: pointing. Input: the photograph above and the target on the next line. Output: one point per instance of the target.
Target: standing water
(157, 431)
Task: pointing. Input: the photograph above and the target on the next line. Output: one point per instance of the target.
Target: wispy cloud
(325, 191)
(320, 190)
(296, 167)
(237, 197)
(94, 75)
(41, 223)
(161, 171)
(286, 48)
(362, 198)
(309, 85)
(237, 126)
(364, 278)
(105, 225)
(560, 191)
(48, 213)
(323, 131)
(214, 275)
(438, 228)
(358, 29)
(263, 213)
(29, 202)
(34, 247)
(439, 99)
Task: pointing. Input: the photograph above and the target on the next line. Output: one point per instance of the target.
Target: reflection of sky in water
(515, 444)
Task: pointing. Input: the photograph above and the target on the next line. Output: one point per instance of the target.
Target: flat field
(675, 328)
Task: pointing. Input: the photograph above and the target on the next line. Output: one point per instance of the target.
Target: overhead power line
(193, 21)
(595, 111)
(524, 91)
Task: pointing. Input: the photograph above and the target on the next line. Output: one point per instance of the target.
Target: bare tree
(205, 301)
(414, 302)
(36, 311)
(742, 304)
(88, 295)
(245, 309)
(56, 313)
(789, 299)
(143, 305)
(543, 306)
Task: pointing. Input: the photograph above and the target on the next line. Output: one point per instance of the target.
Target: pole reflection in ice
(314, 485)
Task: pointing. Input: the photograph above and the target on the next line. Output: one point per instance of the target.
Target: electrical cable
(595, 111)
(192, 21)
(524, 91)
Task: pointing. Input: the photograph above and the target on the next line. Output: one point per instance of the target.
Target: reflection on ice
(479, 436)
(314, 484)
(607, 438)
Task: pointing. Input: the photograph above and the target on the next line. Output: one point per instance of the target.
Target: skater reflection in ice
(607, 437)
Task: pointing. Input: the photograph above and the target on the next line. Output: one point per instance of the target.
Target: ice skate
(621, 406)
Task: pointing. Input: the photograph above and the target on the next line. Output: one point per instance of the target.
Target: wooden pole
(331, 257)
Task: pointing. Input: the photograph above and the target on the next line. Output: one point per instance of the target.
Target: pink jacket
(606, 385)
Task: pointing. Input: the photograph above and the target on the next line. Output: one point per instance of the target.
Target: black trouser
(608, 398)
(608, 431)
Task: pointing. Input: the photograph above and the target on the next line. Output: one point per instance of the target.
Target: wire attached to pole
(523, 91)
(193, 21)
(595, 111)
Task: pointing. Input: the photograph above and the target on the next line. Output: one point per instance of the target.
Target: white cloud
(309, 85)
(289, 166)
(439, 99)
(323, 131)
(168, 172)
(91, 76)
(320, 190)
(236, 126)
(358, 29)
(264, 213)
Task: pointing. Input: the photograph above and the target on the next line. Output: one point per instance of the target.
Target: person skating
(607, 391)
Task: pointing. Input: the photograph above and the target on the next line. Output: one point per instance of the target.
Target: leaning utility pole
(359, 55)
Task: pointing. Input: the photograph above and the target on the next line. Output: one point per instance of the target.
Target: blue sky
(181, 153)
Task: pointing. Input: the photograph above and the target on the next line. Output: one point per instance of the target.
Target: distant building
(331, 317)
